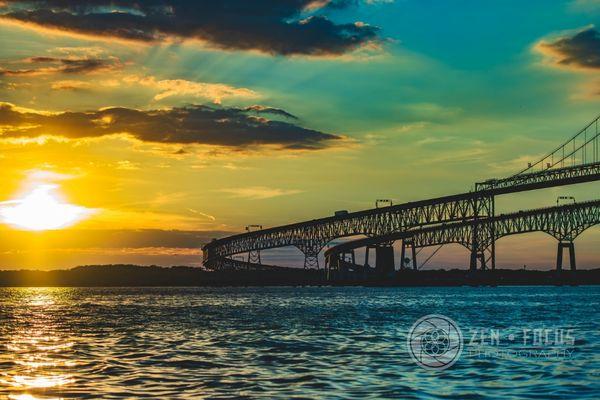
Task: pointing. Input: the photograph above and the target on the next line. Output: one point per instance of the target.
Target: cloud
(589, 90)
(284, 27)
(579, 50)
(71, 85)
(111, 239)
(67, 65)
(194, 124)
(259, 192)
(207, 216)
(181, 87)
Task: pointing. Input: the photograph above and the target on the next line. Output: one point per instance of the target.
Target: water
(289, 342)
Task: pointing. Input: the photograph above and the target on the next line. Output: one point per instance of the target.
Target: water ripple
(190, 343)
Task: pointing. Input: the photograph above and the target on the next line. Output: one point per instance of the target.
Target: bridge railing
(554, 176)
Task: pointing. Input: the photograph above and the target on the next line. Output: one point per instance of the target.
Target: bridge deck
(447, 227)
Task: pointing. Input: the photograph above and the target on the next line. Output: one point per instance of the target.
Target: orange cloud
(216, 92)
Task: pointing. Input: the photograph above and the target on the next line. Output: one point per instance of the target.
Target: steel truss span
(564, 223)
(576, 161)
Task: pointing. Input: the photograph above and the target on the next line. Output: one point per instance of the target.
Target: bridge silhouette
(467, 218)
(564, 223)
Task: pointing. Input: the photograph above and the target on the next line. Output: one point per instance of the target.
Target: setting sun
(41, 209)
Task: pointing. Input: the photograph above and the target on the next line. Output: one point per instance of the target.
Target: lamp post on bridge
(383, 202)
(568, 198)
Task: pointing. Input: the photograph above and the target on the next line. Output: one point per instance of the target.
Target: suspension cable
(561, 153)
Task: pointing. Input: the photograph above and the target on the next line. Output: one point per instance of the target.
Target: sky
(134, 132)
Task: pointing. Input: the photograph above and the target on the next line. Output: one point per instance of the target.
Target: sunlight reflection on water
(36, 346)
(64, 343)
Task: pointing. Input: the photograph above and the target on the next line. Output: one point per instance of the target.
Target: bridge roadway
(311, 236)
(564, 223)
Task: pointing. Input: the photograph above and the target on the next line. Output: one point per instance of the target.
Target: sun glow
(41, 209)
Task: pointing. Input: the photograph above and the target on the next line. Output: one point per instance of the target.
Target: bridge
(575, 161)
(564, 223)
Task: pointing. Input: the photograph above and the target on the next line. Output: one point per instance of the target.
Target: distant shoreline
(153, 276)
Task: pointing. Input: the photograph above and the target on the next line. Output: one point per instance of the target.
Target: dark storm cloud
(581, 50)
(54, 65)
(198, 124)
(272, 26)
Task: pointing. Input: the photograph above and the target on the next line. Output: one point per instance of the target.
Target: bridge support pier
(493, 254)
(254, 257)
(384, 260)
(350, 253)
(570, 246)
(367, 254)
(311, 261)
(477, 256)
(216, 263)
(405, 244)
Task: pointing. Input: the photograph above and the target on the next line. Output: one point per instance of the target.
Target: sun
(41, 209)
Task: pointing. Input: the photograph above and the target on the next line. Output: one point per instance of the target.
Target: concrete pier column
(478, 259)
(572, 256)
(384, 260)
(403, 255)
(570, 246)
(473, 260)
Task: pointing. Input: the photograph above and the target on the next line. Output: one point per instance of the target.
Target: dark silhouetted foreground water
(519, 342)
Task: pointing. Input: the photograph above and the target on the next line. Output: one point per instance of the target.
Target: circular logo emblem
(435, 342)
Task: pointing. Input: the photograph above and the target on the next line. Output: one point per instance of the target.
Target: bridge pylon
(570, 246)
